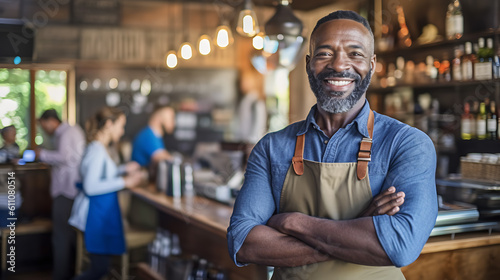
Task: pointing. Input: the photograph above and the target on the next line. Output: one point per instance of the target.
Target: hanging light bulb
(171, 59)
(204, 45)
(247, 21)
(224, 36)
(258, 41)
(283, 35)
(186, 50)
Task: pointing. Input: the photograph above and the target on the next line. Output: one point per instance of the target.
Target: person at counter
(148, 146)
(319, 199)
(69, 143)
(10, 150)
(96, 211)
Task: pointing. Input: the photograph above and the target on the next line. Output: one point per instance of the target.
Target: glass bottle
(481, 122)
(457, 65)
(466, 123)
(474, 112)
(491, 125)
(454, 21)
(483, 67)
(467, 63)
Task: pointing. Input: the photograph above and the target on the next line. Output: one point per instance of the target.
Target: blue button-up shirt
(402, 156)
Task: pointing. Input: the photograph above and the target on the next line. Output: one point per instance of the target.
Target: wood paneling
(479, 263)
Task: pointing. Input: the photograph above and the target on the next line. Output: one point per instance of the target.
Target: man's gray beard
(332, 102)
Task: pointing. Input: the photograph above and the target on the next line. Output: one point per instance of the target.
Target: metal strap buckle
(366, 139)
(365, 159)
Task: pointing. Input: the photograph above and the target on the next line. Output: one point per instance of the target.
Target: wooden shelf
(435, 85)
(435, 45)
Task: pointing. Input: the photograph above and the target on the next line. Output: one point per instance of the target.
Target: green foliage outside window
(50, 92)
(14, 103)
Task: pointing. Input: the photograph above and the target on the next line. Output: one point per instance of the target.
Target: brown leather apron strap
(298, 157)
(364, 154)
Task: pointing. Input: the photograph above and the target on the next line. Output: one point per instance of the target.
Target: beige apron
(338, 191)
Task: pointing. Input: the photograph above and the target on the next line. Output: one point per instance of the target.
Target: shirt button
(326, 141)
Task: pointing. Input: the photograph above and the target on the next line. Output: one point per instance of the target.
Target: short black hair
(4, 130)
(344, 15)
(50, 114)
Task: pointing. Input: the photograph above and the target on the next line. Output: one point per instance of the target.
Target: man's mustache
(328, 74)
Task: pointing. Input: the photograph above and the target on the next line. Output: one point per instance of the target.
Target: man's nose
(340, 62)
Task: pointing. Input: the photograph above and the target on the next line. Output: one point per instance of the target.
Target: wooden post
(33, 119)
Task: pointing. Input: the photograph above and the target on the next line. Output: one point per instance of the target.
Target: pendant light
(284, 35)
(258, 41)
(223, 34)
(205, 42)
(247, 21)
(171, 57)
(186, 49)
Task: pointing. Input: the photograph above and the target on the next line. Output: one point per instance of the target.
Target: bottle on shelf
(483, 69)
(466, 123)
(444, 69)
(431, 70)
(454, 21)
(474, 111)
(481, 122)
(399, 72)
(496, 64)
(468, 63)
(492, 122)
(456, 67)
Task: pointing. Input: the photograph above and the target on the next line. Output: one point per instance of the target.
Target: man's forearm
(350, 240)
(265, 245)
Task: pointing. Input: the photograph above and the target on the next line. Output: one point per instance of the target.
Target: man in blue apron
(319, 199)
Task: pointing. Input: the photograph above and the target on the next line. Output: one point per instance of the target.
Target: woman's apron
(338, 191)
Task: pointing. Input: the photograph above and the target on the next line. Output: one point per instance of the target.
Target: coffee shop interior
(234, 70)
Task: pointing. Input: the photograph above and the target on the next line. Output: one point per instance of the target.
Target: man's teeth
(339, 83)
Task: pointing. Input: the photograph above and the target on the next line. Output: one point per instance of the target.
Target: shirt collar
(360, 121)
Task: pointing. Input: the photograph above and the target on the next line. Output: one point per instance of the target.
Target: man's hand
(387, 202)
(132, 167)
(37, 150)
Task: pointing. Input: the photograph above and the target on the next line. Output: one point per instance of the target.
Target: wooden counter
(468, 256)
(201, 224)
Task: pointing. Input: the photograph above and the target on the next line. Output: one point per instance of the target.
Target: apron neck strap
(365, 147)
(364, 155)
(298, 157)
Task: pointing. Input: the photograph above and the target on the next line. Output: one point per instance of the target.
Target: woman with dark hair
(96, 211)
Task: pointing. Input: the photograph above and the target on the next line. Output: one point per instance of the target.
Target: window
(49, 90)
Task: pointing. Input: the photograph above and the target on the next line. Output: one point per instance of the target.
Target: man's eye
(356, 54)
(323, 54)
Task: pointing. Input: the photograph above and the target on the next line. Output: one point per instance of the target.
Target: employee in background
(148, 147)
(252, 112)
(96, 211)
(69, 142)
(10, 150)
(302, 205)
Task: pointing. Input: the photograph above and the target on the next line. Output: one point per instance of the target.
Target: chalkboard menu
(98, 12)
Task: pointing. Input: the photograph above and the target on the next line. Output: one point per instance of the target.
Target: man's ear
(373, 63)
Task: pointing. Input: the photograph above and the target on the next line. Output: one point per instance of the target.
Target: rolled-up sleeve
(254, 204)
(411, 170)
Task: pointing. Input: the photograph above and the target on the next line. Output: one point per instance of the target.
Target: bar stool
(134, 238)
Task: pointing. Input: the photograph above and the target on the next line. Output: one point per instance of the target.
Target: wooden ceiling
(304, 5)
